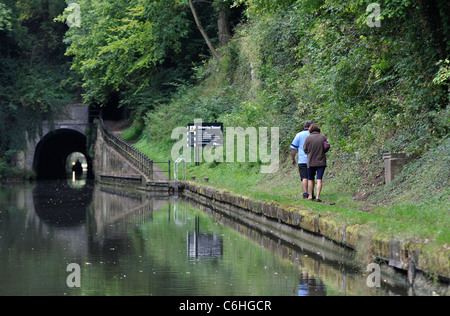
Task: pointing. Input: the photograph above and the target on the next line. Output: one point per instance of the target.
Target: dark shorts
(303, 169)
(312, 173)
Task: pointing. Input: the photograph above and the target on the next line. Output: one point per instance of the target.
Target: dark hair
(314, 128)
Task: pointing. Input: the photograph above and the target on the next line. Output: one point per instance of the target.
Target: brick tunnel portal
(53, 150)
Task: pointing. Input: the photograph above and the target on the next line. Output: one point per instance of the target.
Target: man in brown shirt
(316, 146)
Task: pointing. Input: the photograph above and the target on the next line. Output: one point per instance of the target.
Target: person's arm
(293, 154)
(294, 146)
(327, 145)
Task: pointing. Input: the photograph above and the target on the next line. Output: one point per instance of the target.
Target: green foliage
(188, 103)
(33, 70)
(121, 43)
(443, 76)
(436, 184)
(134, 131)
(257, 8)
(372, 90)
(356, 79)
(5, 16)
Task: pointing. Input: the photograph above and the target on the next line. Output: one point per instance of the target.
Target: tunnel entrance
(52, 153)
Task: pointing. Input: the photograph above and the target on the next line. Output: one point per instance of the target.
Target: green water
(131, 244)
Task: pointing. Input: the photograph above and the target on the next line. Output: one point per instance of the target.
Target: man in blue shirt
(297, 147)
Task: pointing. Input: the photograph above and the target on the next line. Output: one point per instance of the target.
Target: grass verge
(427, 220)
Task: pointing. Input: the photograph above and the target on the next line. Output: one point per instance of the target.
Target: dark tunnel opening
(51, 154)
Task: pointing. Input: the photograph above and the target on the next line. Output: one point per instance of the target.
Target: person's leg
(310, 189)
(311, 178)
(319, 189)
(303, 169)
(320, 173)
(305, 188)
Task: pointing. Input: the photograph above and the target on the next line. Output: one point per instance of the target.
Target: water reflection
(114, 212)
(59, 204)
(310, 285)
(77, 182)
(129, 243)
(203, 245)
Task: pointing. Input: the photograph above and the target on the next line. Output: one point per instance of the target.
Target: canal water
(134, 244)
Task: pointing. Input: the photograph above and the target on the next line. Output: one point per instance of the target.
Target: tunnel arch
(52, 151)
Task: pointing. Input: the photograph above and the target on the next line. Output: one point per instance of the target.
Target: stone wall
(409, 256)
(110, 164)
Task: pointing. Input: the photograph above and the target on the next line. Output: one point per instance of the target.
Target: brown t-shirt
(315, 149)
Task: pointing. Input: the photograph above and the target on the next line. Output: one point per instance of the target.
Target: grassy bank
(404, 214)
(371, 91)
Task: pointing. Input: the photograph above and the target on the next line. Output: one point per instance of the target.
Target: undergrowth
(371, 91)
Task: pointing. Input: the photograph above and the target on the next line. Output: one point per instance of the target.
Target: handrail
(176, 172)
(137, 158)
(176, 169)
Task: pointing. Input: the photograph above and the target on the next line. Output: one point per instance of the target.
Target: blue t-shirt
(298, 143)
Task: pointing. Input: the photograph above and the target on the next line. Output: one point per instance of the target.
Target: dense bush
(34, 80)
(372, 90)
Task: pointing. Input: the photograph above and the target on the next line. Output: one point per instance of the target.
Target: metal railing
(134, 156)
(177, 167)
(176, 172)
(162, 170)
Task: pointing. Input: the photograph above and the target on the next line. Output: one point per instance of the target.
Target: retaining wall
(408, 256)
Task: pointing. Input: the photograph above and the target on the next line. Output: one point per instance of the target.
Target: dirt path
(117, 126)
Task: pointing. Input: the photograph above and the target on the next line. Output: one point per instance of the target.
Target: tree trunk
(433, 23)
(223, 23)
(202, 30)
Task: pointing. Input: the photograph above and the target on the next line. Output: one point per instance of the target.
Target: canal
(135, 244)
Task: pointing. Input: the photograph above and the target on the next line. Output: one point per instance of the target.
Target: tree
(123, 46)
(121, 43)
(256, 8)
(435, 19)
(202, 30)
(33, 70)
(223, 22)
(5, 15)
